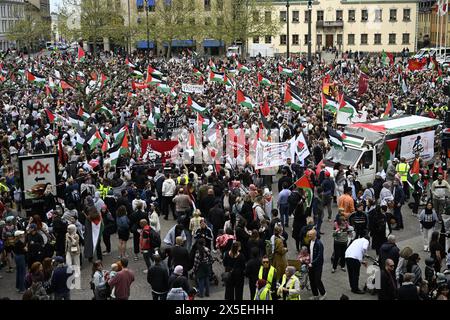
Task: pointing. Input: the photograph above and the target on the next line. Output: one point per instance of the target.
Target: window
(339, 39)
(283, 15)
(351, 39)
(351, 15)
(307, 15)
(367, 159)
(268, 39)
(406, 14)
(295, 16)
(207, 5)
(283, 39)
(220, 5)
(393, 15)
(255, 16)
(255, 39)
(405, 38)
(377, 38)
(378, 15)
(319, 15)
(339, 15)
(295, 40)
(268, 17)
(392, 37)
(220, 21)
(363, 38)
(306, 39)
(364, 15)
(319, 40)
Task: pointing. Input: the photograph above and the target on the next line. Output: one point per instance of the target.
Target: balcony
(329, 24)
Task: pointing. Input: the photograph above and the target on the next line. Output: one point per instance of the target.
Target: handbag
(74, 249)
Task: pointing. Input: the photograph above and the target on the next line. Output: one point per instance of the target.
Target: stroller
(303, 277)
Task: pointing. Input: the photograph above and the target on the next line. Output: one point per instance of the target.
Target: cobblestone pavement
(336, 284)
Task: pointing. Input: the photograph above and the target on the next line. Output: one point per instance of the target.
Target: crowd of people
(229, 214)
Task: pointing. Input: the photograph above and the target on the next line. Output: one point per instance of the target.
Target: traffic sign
(36, 172)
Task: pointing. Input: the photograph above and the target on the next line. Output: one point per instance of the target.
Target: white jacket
(168, 188)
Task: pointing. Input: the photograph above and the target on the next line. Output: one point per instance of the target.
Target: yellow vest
(186, 179)
(291, 296)
(103, 190)
(263, 294)
(3, 187)
(269, 276)
(402, 169)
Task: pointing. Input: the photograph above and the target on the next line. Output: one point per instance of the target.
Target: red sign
(38, 168)
(163, 147)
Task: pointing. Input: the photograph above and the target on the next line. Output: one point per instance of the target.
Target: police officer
(403, 168)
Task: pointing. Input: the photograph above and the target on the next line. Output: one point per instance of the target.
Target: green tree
(28, 32)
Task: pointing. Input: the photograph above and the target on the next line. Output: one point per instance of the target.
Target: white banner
(37, 171)
(272, 154)
(192, 88)
(421, 142)
(299, 147)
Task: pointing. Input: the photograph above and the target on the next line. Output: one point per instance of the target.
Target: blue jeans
(21, 269)
(284, 214)
(203, 285)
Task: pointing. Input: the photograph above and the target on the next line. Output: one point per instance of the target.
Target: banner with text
(192, 88)
(272, 154)
(422, 143)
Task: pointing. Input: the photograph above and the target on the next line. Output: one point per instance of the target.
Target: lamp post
(287, 27)
(309, 39)
(129, 28)
(148, 28)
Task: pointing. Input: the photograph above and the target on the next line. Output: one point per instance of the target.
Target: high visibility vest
(103, 190)
(263, 294)
(186, 179)
(269, 276)
(402, 169)
(3, 187)
(292, 296)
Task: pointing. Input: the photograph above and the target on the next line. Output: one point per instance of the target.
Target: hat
(178, 270)
(33, 226)
(327, 173)
(9, 219)
(18, 233)
(58, 259)
(267, 192)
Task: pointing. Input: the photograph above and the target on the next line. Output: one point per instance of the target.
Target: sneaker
(333, 270)
(323, 297)
(343, 269)
(106, 253)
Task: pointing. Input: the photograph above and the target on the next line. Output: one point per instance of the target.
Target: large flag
(242, 68)
(244, 101)
(83, 114)
(336, 138)
(387, 58)
(106, 111)
(363, 83)
(329, 104)
(197, 72)
(285, 71)
(81, 54)
(299, 147)
(154, 72)
(291, 98)
(417, 64)
(347, 106)
(216, 77)
(93, 138)
(51, 117)
(75, 120)
(129, 64)
(307, 186)
(263, 81)
(264, 110)
(32, 77)
(389, 109)
(442, 7)
(195, 105)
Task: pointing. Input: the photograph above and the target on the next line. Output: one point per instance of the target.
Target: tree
(28, 32)
(239, 20)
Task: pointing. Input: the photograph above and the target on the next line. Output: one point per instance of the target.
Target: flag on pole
(244, 101)
(51, 117)
(291, 98)
(329, 104)
(336, 138)
(81, 54)
(197, 73)
(83, 114)
(32, 77)
(389, 109)
(129, 64)
(243, 68)
(263, 81)
(347, 106)
(94, 138)
(80, 139)
(195, 105)
(106, 111)
(216, 77)
(285, 71)
(306, 185)
(387, 58)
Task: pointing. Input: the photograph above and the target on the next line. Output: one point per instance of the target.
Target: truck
(265, 50)
(367, 146)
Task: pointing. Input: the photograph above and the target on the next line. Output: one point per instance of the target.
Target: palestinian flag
(75, 120)
(195, 105)
(212, 66)
(106, 111)
(328, 103)
(348, 106)
(51, 117)
(439, 78)
(154, 72)
(244, 101)
(387, 58)
(129, 64)
(291, 99)
(302, 68)
(306, 185)
(31, 77)
(173, 94)
(229, 84)
(203, 122)
(137, 74)
(94, 139)
(389, 109)
(336, 138)
(157, 113)
(413, 174)
(263, 81)
(242, 68)
(29, 136)
(285, 71)
(163, 87)
(81, 54)
(197, 73)
(103, 80)
(105, 145)
(80, 141)
(216, 77)
(119, 133)
(83, 114)
(151, 124)
(152, 80)
(264, 111)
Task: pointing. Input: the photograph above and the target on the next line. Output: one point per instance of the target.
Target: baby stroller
(303, 277)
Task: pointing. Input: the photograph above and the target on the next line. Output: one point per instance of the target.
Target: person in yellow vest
(403, 168)
(262, 290)
(290, 285)
(268, 273)
(3, 186)
(104, 189)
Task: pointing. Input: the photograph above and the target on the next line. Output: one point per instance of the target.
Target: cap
(58, 259)
(18, 233)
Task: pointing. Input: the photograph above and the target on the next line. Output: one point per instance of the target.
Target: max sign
(36, 172)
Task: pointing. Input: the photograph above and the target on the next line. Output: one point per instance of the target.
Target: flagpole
(446, 28)
(437, 23)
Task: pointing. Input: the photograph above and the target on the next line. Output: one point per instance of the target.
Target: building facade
(11, 12)
(363, 25)
(439, 29)
(424, 23)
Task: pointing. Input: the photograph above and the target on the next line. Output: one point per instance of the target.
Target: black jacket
(176, 281)
(252, 270)
(388, 289)
(123, 201)
(179, 256)
(317, 261)
(158, 278)
(408, 292)
(389, 251)
(217, 217)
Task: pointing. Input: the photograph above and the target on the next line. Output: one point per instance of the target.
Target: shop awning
(212, 43)
(181, 43)
(142, 44)
(140, 3)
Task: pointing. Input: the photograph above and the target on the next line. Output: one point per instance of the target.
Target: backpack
(122, 223)
(75, 195)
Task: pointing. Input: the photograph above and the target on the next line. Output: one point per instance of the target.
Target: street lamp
(309, 39)
(287, 26)
(148, 28)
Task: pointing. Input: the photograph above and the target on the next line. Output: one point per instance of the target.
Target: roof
(375, 131)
